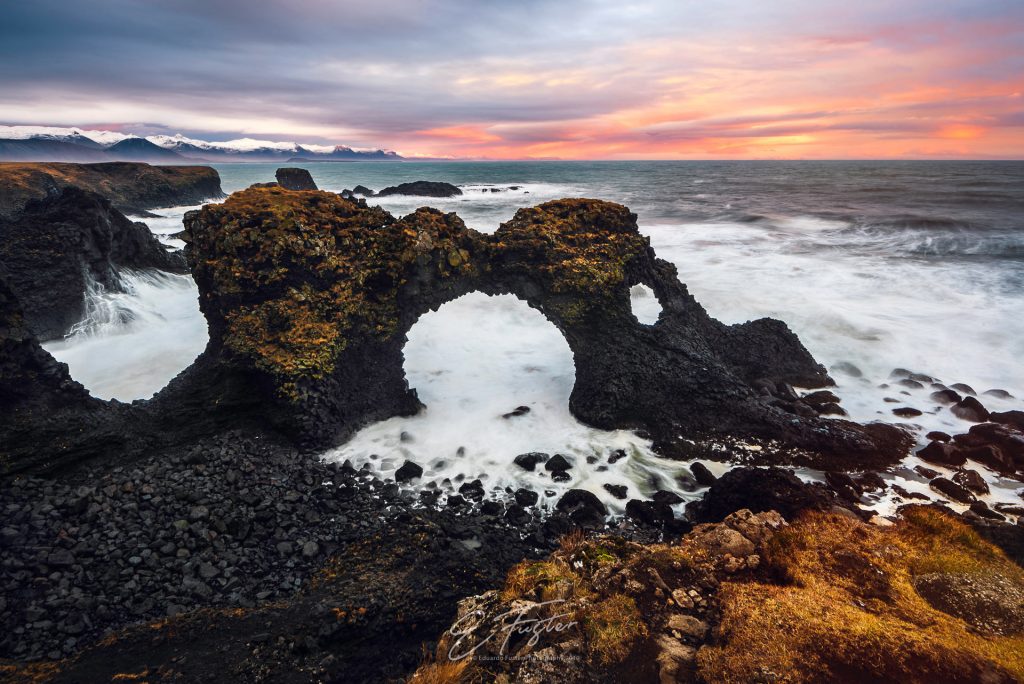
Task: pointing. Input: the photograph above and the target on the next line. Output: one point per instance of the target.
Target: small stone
(408, 471)
(526, 497)
(689, 627)
(285, 548)
(618, 491)
(529, 461)
(310, 549)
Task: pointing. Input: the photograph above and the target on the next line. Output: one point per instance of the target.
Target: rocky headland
(197, 536)
(132, 188)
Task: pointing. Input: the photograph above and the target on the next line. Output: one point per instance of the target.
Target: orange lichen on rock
(850, 611)
(577, 245)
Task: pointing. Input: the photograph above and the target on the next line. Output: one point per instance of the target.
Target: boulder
(943, 453)
(421, 189)
(583, 507)
(759, 489)
(951, 489)
(408, 471)
(291, 178)
(970, 409)
(362, 190)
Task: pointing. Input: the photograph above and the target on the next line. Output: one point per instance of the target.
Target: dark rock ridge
(61, 245)
(131, 187)
(291, 178)
(421, 189)
(309, 298)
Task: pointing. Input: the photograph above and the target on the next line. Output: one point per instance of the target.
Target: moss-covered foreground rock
(309, 297)
(751, 599)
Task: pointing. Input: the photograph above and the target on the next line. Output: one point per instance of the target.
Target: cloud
(586, 78)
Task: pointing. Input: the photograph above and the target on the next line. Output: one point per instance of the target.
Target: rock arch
(309, 297)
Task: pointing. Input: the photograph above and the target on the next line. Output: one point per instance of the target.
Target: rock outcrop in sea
(309, 297)
(291, 178)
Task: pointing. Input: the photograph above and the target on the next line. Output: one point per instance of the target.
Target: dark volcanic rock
(970, 409)
(408, 471)
(943, 453)
(58, 247)
(319, 332)
(972, 480)
(45, 416)
(583, 508)
(362, 190)
(1014, 418)
(529, 461)
(557, 463)
(906, 412)
(421, 189)
(759, 489)
(291, 178)
(618, 491)
(702, 475)
(951, 489)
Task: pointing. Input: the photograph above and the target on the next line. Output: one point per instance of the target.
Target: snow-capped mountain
(50, 143)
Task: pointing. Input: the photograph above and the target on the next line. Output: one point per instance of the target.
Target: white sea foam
(852, 295)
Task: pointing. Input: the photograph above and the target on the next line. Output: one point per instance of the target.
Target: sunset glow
(582, 79)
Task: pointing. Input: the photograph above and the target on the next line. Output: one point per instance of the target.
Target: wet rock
(925, 472)
(870, 482)
(529, 461)
(618, 491)
(943, 453)
(583, 507)
(526, 497)
(557, 463)
(844, 485)
(362, 190)
(408, 471)
(997, 393)
(702, 475)
(295, 179)
(649, 512)
(847, 368)
(972, 480)
(616, 456)
(970, 409)
(492, 508)
(421, 189)
(937, 436)
(759, 489)
(474, 491)
(951, 489)
(60, 246)
(946, 396)
(1014, 418)
(666, 497)
(963, 388)
(980, 508)
(820, 398)
(517, 411)
(906, 412)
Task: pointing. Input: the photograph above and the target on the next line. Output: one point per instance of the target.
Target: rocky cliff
(131, 187)
(60, 246)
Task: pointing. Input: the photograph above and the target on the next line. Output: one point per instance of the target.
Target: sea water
(878, 265)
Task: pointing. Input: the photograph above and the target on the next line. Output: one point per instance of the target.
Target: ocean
(875, 265)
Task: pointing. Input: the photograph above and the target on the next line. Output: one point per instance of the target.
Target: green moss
(578, 247)
(298, 275)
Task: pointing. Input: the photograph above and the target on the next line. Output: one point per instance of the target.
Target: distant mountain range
(46, 143)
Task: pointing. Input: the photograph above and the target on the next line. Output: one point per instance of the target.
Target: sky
(570, 79)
